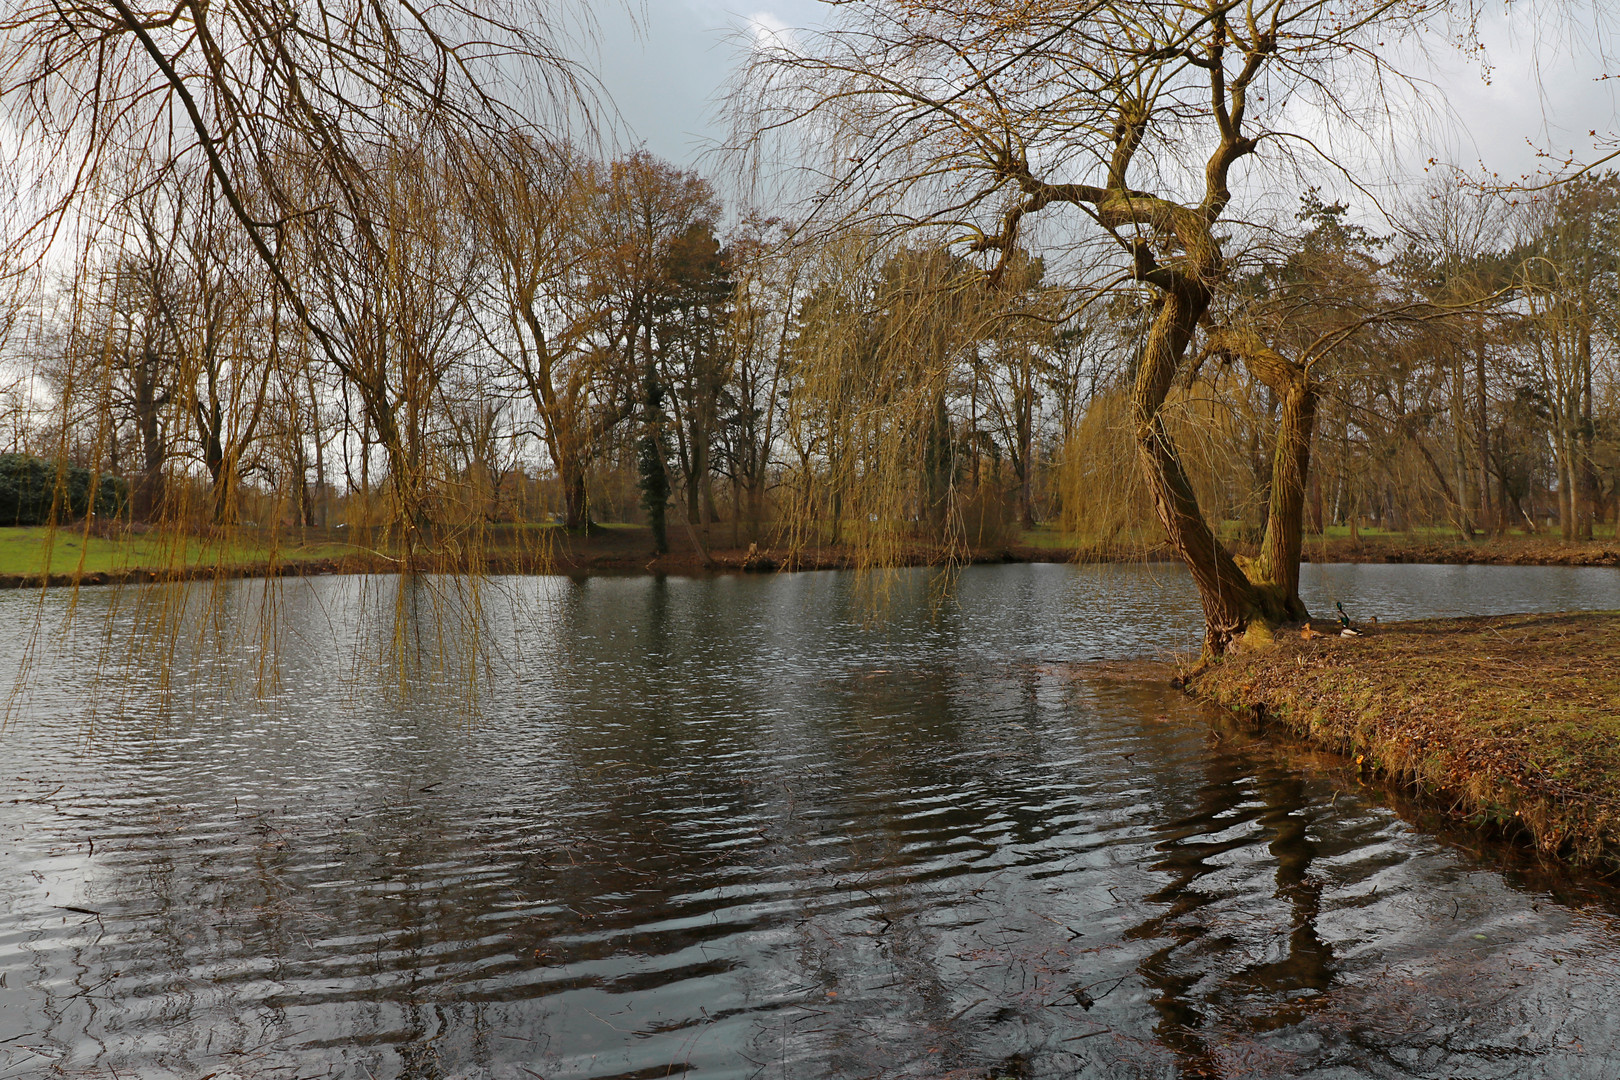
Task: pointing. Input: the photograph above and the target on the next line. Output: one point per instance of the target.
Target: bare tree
(104, 87)
(1458, 237)
(765, 272)
(1568, 273)
(969, 121)
(530, 201)
(642, 212)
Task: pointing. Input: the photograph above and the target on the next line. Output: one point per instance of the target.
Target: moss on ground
(1513, 719)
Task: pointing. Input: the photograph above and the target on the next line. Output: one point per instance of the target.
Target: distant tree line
(583, 341)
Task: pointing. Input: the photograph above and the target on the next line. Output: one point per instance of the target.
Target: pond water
(736, 827)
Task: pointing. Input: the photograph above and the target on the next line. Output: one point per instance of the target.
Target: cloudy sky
(665, 65)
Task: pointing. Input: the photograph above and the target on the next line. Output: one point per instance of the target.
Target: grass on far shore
(1511, 719)
(29, 550)
(24, 550)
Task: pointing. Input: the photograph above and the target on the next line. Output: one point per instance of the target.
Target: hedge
(28, 490)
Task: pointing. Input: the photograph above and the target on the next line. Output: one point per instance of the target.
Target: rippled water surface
(734, 827)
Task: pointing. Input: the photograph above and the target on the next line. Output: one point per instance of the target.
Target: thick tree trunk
(1277, 570)
(652, 460)
(1223, 589)
(1274, 574)
(214, 459)
(576, 504)
(404, 479)
(148, 494)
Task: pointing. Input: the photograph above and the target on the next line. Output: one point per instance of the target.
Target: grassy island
(1512, 720)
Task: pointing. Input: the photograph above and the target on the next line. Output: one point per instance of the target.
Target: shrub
(29, 486)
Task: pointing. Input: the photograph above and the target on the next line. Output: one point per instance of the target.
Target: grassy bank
(1514, 549)
(1424, 545)
(37, 550)
(66, 555)
(1510, 720)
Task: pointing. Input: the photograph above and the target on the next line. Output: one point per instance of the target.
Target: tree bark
(1274, 574)
(576, 504)
(1277, 572)
(149, 492)
(1223, 588)
(1488, 518)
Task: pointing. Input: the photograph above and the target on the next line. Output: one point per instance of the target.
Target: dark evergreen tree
(652, 456)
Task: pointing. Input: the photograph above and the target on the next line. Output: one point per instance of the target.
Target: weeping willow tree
(261, 209)
(972, 122)
(886, 359)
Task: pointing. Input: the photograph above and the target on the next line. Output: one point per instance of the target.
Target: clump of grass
(1512, 720)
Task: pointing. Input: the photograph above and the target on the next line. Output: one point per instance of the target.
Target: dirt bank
(1498, 551)
(1509, 720)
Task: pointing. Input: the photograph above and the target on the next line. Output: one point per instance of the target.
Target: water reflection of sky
(741, 826)
(1393, 591)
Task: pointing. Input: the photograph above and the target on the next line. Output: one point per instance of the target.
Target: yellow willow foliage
(1105, 499)
(878, 463)
(177, 366)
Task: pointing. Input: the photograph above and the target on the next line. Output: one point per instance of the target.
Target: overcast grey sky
(665, 65)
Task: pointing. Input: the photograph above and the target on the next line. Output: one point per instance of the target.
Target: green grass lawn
(33, 550)
(1600, 531)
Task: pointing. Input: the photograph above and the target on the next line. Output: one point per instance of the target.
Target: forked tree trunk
(1235, 595)
(1185, 284)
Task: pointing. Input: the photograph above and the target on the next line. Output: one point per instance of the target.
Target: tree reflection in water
(723, 827)
(1191, 997)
